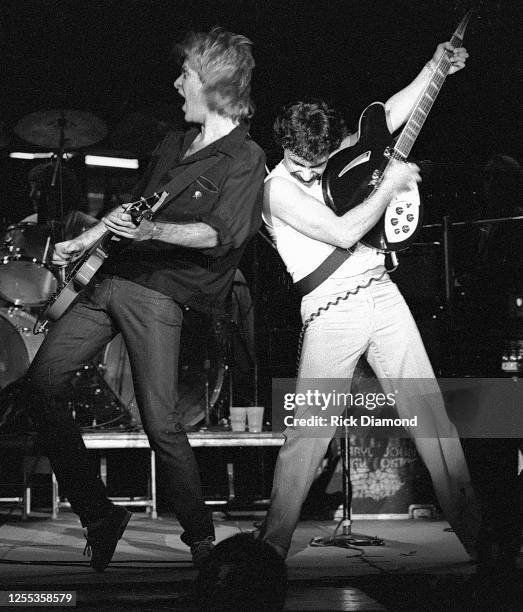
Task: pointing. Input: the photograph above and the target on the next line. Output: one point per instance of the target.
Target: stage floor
(420, 567)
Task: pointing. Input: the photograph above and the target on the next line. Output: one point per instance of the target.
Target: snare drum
(25, 279)
(18, 344)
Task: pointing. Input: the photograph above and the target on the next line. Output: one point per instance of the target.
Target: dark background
(113, 59)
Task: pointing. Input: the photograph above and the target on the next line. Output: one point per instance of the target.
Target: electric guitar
(83, 270)
(354, 173)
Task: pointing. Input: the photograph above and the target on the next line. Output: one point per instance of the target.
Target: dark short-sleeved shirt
(227, 197)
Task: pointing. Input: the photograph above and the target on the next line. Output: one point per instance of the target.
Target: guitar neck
(109, 240)
(428, 96)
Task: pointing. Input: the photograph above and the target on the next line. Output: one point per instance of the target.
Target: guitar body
(83, 270)
(348, 181)
(59, 303)
(354, 173)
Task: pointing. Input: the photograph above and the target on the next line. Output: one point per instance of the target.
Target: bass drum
(195, 381)
(18, 344)
(199, 377)
(208, 349)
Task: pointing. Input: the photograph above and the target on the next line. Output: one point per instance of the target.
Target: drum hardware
(236, 367)
(94, 405)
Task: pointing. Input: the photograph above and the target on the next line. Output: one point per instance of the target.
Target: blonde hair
(224, 63)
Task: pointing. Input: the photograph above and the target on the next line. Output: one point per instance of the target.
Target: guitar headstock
(144, 208)
(487, 12)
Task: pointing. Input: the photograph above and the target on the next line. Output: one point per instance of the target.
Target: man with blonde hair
(184, 258)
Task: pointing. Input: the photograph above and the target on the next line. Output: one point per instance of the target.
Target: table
(108, 440)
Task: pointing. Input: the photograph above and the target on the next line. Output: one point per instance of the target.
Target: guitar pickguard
(402, 216)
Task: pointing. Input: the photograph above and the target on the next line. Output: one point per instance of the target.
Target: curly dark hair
(308, 129)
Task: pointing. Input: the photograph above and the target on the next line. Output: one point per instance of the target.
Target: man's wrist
(387, 187)
(89, 237)
(97, 231)
(156, 231)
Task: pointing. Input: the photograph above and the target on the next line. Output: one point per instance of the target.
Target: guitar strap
(304, 285)
(329, 265)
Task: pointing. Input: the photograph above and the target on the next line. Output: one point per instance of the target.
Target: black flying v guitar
(83, 270)
(354, 173)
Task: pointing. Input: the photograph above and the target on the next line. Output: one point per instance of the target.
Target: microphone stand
(343, 536)
(57, 173)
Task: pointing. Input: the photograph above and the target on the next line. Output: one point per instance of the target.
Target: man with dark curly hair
(184, 258)
(355, 310)
(310, 130)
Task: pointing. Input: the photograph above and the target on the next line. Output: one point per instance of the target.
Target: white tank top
(301, 254)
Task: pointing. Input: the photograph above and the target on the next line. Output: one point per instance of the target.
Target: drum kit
(27, 277)
(28, 280)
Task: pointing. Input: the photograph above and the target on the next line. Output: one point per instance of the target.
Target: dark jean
(150, 323)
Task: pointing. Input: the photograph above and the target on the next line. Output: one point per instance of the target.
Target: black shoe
(103, 535)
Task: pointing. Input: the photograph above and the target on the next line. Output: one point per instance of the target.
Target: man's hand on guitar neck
(70, 250)
(197, 235)
(400, 105)
(457, 57)
(121, 223)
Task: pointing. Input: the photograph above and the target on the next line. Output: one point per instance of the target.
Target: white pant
(375, 322)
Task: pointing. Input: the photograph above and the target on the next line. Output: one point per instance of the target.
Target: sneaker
(201, 550)
(103, 535)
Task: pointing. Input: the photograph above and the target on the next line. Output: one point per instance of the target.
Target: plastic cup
(255, 418)
(238, 416)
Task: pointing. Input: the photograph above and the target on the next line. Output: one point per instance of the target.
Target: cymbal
(57, 129)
